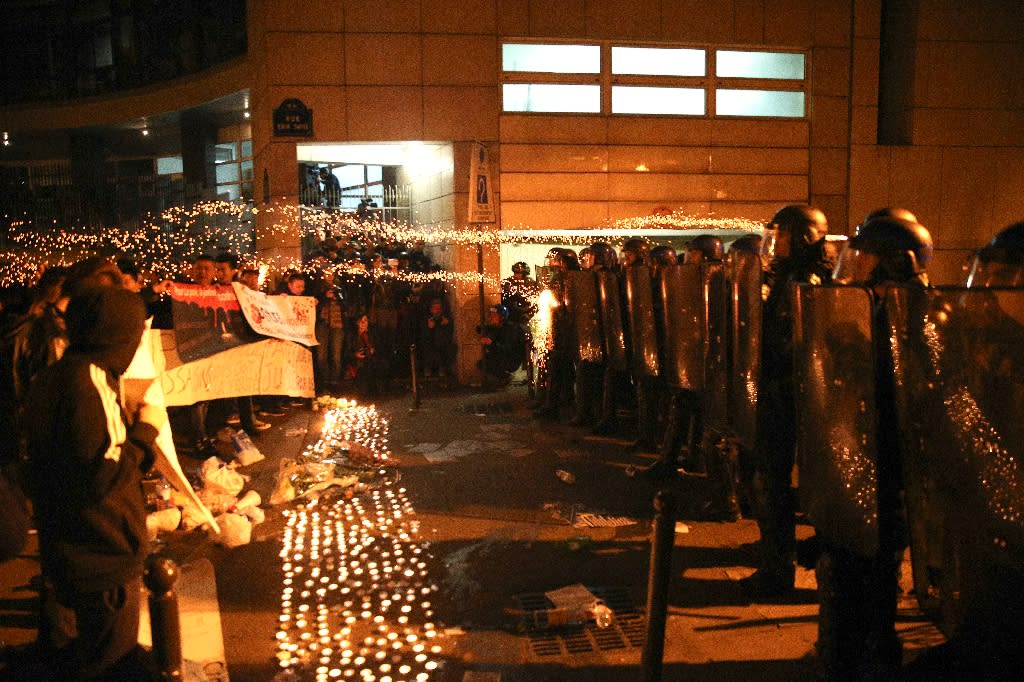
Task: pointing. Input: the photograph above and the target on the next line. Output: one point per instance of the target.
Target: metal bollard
(160, 576)
(662, 542)
(415, 385)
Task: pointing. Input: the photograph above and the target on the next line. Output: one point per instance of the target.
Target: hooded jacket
(85, 462)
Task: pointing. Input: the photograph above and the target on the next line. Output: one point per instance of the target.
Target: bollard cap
(664, 502)
(161, 574)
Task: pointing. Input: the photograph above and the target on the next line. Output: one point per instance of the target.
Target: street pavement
(499, 527)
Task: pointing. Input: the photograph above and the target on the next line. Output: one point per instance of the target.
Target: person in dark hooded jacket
(86, 462)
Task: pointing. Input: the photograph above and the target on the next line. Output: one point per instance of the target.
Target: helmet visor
(855, 266)
(775, 243)
(994, 274)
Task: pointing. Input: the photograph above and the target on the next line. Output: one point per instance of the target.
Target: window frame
(710, 82)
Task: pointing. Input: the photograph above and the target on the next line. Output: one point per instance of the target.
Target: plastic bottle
(603, 616)
(565, 476)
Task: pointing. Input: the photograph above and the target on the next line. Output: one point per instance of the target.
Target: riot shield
(834, 366)
(582, 300)
(610, 300)
(743, 271)
(641, 328)
(682, 295)
(959, 377)
(715, 402)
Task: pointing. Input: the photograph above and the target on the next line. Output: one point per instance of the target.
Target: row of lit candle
(356, 599)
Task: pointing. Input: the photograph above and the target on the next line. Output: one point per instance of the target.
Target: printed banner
(268, 367)
(207, 320)
(292, 318)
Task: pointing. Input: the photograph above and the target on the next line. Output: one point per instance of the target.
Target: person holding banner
(227, 272)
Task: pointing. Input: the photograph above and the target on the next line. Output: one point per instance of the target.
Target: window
(233, 166)
(551, 58)
(652, 80)
(759, 103)
(735, 64)
(631, 99)
(658, 61)
(552, 97)
(169, 165)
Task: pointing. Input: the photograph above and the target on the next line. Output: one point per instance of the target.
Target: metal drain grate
(626, 631)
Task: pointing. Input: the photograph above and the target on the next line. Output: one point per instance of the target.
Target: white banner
(481, 199)
(268, 367)
(292, 318)
(139, 385)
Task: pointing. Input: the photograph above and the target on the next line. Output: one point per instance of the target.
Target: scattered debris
(589, 520)
(565, 476)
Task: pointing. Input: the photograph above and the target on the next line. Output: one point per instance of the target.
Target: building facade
(591, 110)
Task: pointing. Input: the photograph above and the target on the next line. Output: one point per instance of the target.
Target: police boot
(608, 423)
(838, 647)
(777, 524)
(646, 421)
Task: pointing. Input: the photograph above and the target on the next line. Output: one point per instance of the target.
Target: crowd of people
(82, 455)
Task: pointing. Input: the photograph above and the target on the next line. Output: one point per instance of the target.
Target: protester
(86, 461)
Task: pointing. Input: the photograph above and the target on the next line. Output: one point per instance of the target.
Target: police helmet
(886, 249)
(704, 248)
(1000, 263)
(748, 243)
(604, 256)
(792, 229)
(520, 268)
(889, 212)
(635, 251)
(662, 255)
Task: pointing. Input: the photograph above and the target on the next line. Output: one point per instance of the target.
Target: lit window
(759, 103)
(551, 58)
(737, 64)
(649, 100)
(552, 98)
(227, 173)
(169, 165)
(657, 61)
(226, 151)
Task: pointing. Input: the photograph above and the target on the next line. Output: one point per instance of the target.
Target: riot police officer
(556, 365)
(651, 390)
(858, 581)
(519, 293)
(1000, 263)
(600, 257)
(794, 249)
(704, 248)
(683, 422)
